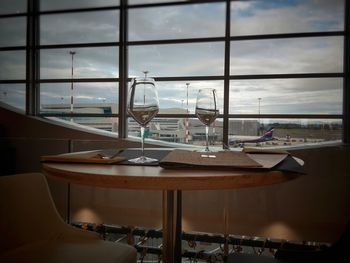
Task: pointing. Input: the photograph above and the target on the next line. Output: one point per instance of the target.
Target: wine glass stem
(207, 138)
(142, 140)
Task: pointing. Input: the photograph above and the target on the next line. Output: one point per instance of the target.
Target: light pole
(72, 53)
(145, 72)
(259, 100)
(144, 94)
(3, 96)
(186, 121)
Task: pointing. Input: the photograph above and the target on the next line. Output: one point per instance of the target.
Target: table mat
(289, 164)
(223, 159)
(267, 160)
(95, 157)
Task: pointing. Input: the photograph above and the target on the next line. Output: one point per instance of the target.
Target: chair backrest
(27, 211)
(341, 247)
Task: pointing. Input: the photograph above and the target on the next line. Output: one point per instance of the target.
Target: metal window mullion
(346, 83)
(173, 3)
(227, 74)
(29, 33)
(123, 70)
(100, 115)
(31, 58)
(288, 76)
(13, 15)
(175, 41)
(79, 45)
(78, 80)
(79, 10)
(13, 48)
(285, 116)
(287, 35)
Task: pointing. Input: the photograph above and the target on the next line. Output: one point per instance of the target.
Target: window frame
(33, 79)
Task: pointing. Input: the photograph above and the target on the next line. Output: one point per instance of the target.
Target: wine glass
(143, 105)
(207, 110)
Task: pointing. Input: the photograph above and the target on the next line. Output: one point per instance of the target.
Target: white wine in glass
(207, 110)
(143, 105)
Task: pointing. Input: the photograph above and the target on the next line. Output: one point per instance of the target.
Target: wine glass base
(143, 159)
(204, 151)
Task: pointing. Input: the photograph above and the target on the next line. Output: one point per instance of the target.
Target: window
(177, 22)
(174, 60)
(275, 64)
(13, 31)
(79, 62)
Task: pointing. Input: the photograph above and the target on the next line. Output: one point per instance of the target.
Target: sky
(273, 56)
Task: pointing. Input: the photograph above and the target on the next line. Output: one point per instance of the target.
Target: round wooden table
(170, 181)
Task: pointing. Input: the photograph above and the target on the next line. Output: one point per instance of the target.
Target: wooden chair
(31, 229)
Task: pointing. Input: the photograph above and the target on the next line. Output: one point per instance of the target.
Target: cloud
(273, 56)
(300, 55)
(171, 22)
(52, 93)
(287, 96)
(13, 94)
(195, 59)
(13, 31)
(101, 62)
(172, 93)
(286, 16)
(86, 27)
(66, 4)
(12, 65)
(12, 6)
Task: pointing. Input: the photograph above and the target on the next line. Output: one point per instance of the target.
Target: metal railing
(218, 246)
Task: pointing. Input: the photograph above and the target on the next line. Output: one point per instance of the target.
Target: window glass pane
(109, 124)
(13, 31)
(177, 60)
(173, 95)
(275, 16)
(12, 65)
(94, 97)
(186, 21)
(14, 95)
(286, 96)
(101, 62)
(286, 132)
(299, 55)
(13, 6)
(173, 130)
(69, 4)
(102, 26)
(173, 100)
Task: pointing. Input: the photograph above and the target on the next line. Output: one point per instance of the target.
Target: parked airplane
(241, 140)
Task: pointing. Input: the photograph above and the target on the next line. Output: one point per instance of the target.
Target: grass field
(309, 133)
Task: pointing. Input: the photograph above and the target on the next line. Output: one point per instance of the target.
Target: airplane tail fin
(268, 134)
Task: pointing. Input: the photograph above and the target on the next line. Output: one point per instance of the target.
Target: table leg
(178, 229)
(68, 204)
(172, 226)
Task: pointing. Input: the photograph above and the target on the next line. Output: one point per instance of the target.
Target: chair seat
(32, 231)
(73, 251)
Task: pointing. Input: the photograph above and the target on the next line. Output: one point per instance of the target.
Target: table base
(172, 227)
